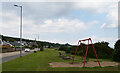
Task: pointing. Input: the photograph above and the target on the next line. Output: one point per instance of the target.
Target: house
(15, 43)
(31, 44)
(1, 42)
(6, 47)
(4, 43)
(24, 43)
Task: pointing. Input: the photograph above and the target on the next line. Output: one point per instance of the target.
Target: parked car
(27, 50)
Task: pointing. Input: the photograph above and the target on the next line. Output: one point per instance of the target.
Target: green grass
(40, 62)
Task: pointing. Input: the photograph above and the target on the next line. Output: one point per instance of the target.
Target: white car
(27, 50)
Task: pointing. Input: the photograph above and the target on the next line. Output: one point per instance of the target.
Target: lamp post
(20, 29)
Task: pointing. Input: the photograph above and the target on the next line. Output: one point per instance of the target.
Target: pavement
(13, 55)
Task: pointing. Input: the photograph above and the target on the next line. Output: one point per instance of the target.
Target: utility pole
(38, 42)
(38, 37)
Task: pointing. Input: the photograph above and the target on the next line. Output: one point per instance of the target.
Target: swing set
(85, 55)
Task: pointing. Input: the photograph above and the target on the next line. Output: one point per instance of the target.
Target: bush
(64, 48)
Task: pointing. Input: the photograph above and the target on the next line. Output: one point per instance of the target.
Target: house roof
(31, 43)
(5, 43)
(1, 42)
(15, 44)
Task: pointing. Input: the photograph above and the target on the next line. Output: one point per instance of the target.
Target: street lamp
(20, 29)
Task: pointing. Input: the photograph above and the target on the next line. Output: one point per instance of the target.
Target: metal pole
(86, 54)
(20, 29)
(95, 53)
(82, 49)
(38, 37)
(38, 42)
(21, 32)
(75, 52)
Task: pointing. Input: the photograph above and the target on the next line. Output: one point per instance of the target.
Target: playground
(80, 64)
(85, 62)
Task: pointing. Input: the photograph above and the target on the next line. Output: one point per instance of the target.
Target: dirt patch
(80, 64)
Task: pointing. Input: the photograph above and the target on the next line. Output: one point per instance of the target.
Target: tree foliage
(11, 40)
(102, 49)
(116, 53)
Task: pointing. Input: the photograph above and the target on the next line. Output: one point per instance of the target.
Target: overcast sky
(62, 22)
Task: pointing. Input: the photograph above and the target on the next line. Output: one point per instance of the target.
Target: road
(13, 55)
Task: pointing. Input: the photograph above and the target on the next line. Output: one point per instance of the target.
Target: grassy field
(40, 62)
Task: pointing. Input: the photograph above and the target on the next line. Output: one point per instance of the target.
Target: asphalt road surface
(8, 58)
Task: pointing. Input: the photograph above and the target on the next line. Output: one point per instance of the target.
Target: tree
(117, 45)
(11, 40)
(116, 53)
(102, 50)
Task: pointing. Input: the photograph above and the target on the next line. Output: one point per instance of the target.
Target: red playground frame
(85, 55)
